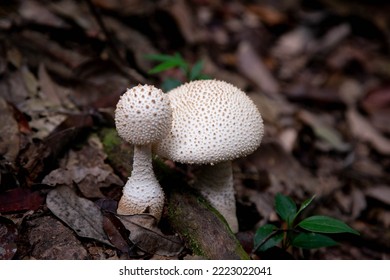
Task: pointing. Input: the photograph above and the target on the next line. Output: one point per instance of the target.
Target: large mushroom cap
(143, 115)
(213, 121)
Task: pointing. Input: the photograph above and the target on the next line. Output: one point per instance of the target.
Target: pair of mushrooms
(206, 122)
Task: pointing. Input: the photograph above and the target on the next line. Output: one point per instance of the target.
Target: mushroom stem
(215, 183)
(142, 192)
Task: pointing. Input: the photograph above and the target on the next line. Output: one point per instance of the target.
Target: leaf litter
(320, 78)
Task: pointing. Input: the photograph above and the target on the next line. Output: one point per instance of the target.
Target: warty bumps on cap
(213, 121)
(143, 115)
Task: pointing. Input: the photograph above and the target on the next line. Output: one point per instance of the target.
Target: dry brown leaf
(323, 131)
(9, 133)
(380, 193)
(79, 13)
(39, 14)
(127, 7)
(285, 175)
(51, 240)
(181, 12)
(136, 42)
(80, 214)
(86, 168)
(8, 238)
(48, 88)
(145, 234)
(362, 129)
(293, 44)
(251, 65)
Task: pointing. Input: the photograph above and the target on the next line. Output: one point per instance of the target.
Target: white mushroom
(213, 123)
(142, 117)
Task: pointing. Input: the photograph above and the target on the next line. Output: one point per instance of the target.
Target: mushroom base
(142, 192)
(215, 183)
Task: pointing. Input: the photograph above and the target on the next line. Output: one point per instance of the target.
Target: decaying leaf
(379, 192)
(86, 168)
(324, 132)
(283, 170)
(9, 133)
(254, 68)
(116, 232)
(51, 240)
(145, 234)
(19, 199)
(362, 129)
(8, 235)
(80, 214)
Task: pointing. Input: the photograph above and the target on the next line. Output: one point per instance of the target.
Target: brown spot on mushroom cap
(213, 121)
(143, 115)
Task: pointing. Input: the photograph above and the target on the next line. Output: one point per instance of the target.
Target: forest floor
(319, 72)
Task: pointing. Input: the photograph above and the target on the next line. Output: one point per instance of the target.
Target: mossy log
(203, 229)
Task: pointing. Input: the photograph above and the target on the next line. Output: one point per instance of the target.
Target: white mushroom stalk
(215, 183)
(142, 117)
(213, 122)
(142, 192)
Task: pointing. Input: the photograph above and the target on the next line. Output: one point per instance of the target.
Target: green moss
(188, 236)
(110, 139)
(119, 153)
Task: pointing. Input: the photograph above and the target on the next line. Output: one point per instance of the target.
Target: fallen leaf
(38, 13)
(380, 216)
(51, 240)
(377, 99)
(134, 41)
(284, 171)
(87, 168)
(268, 14)
(182, 13)
(361, 128)
(38, 155)
(48, 88)
(9, 133)
(323, 131)
(8, 238)
(79, 13)
(380, 193)
(116, 232)
(359, 203)
(293, 43)
(88, 179)
(145, 234)
(127, 7)
(380, 120)
(19, 199)
(251, 66)
(80, 214)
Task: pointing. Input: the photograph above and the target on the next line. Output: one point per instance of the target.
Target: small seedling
(168, 62)
(309, 233)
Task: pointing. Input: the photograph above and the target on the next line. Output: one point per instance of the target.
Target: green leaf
(203, 77)
(196, 70)
(266, 237)
(326, 224)
(164, 66)
(312, 240)
(159, 57)
(170, 83)
(304, 205)
(167, 62)
(286, 208)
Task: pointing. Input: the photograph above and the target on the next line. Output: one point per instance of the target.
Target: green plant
(176, 61)
(308, 233)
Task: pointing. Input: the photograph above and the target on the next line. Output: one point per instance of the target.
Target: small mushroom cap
(213, 121)
(143, 115)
